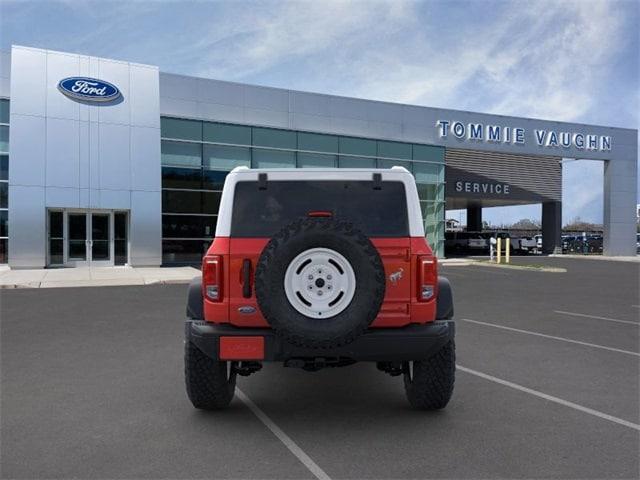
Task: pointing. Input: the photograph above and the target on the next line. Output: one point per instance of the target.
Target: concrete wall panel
(28, 85)
(310, 103)
(269, 118)
(115, 156)
(84, 158)
(146, 228)
(63, 153)
(264, 98)
(27, 141)
(115, 199)
(144, 98)
(224, 113)
(303, 121)
(179, 87)
(62, 197)
(28, 227)
(222, 93)
(145, 155)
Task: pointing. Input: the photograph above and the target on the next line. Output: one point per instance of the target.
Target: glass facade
(4, 180)
(197, 155)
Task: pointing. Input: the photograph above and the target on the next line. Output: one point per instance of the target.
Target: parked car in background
(528, 245)
(477, 243)
(582, 244)
(470, 243)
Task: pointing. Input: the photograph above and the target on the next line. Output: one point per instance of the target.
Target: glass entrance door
(77, 240)
(87, 238)
(100, 242)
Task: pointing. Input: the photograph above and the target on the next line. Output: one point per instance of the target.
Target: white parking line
(283, 437)
(551, 398)
(596, 317)
(562, 339)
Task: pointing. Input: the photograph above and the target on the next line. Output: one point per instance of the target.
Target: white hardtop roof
(243, 174)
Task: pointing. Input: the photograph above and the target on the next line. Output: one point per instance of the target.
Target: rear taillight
(427, 277)
(212, 277)
(320, 213)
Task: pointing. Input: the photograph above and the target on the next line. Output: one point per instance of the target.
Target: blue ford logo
(247, 310)
(89, 89)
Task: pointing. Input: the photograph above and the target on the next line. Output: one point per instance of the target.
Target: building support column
(620, 199)
(551, 227)
(474, 218)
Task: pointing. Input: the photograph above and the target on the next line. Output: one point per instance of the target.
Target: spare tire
(319, 282)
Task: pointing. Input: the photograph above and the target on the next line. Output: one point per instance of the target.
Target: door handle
(246, 278)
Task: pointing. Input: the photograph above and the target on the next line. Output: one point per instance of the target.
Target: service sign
(88, 89)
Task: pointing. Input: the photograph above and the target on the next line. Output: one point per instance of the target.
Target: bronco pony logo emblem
(396, 276)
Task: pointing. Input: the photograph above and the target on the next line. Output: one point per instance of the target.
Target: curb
(520, 267)
(97, 283)
(455, 262)
(602, 258)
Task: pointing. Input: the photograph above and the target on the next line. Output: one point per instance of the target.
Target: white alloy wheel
(319, 283)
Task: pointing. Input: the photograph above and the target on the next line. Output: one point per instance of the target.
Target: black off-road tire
(342, 237)
(209, 386)
(430, 385)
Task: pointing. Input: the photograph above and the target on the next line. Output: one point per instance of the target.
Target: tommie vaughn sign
(478, 132)
(88, 89)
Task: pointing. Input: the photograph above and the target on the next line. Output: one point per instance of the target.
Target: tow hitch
(318, 363)
(245, 369)
(392, 368)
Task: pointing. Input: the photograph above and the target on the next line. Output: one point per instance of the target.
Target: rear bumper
(413, 342)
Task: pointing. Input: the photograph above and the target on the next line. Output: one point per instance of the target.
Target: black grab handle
(246, 278)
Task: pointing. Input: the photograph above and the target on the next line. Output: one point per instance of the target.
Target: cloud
(276, 34)
(538, 59)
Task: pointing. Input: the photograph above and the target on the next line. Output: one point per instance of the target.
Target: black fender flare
(444, 302)
(195, 303)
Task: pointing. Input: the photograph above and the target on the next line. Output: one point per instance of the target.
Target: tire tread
(206, 380)
(433, 379)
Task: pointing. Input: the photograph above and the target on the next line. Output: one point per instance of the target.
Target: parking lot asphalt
(548, 387)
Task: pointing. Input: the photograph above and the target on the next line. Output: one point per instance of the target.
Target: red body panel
(399, 256)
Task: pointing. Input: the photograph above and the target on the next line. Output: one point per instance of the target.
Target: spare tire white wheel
(320, 282)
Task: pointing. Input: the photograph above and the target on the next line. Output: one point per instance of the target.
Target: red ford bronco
(319, 268)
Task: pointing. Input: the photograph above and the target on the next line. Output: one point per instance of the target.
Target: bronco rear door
(261, 209)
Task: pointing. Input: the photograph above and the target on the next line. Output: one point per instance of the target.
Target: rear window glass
(262, 213)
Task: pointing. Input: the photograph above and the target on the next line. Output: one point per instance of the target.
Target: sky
(558, 60)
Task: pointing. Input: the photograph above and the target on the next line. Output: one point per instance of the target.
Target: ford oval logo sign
(247, 310)
(89, 89)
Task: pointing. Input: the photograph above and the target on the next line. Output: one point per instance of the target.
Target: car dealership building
(107, 162)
